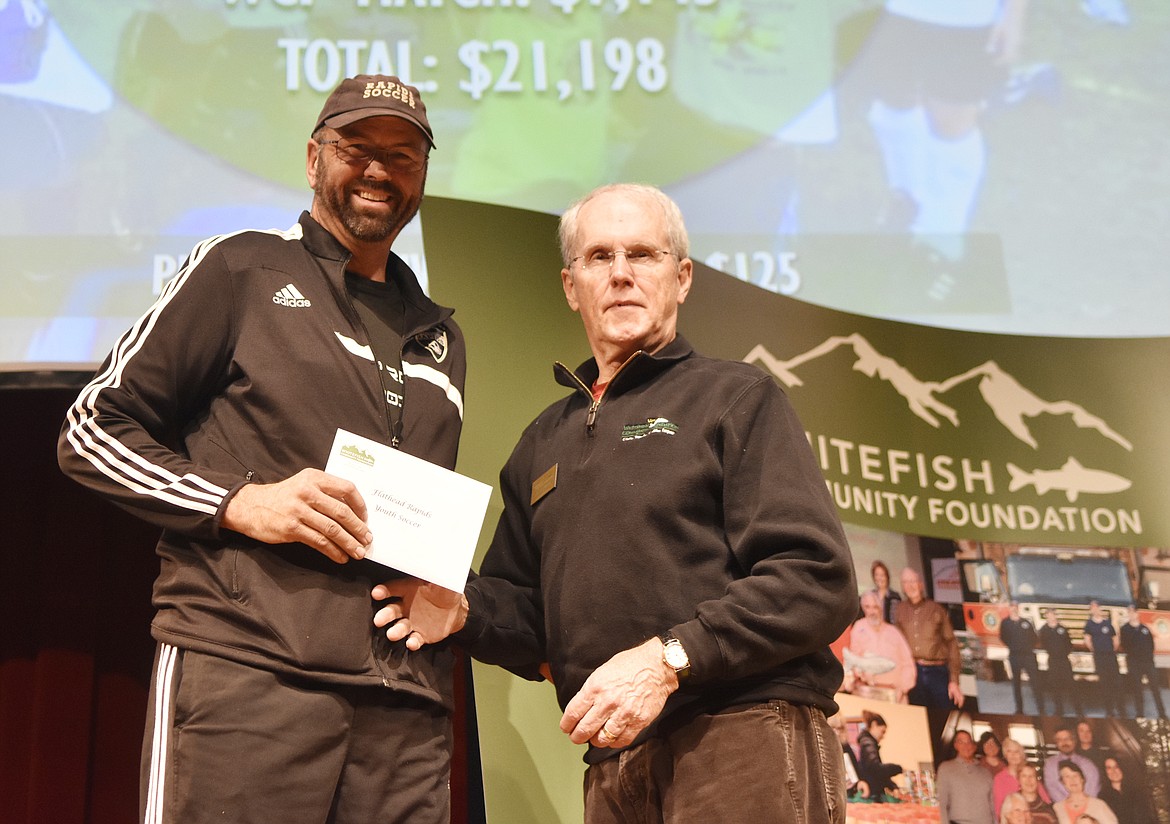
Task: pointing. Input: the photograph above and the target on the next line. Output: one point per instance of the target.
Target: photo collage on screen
(1045, 666)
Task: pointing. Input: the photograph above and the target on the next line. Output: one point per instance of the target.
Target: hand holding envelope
(311, 507)
(425, 519)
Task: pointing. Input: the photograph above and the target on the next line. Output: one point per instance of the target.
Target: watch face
(675, 656)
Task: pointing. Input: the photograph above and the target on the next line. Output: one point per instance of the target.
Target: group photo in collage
(1006, 682)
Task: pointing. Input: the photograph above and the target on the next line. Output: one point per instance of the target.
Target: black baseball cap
(374, 95)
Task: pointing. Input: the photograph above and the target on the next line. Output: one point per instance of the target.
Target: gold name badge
(543, 485)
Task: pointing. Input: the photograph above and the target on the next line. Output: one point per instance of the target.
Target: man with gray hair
(669, 548)
(928, 629)
(877, 654)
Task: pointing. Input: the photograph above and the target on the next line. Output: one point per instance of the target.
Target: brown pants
(766, 764)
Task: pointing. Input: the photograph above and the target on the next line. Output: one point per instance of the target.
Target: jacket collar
(319, 242)
(323, 245)
(638, 368)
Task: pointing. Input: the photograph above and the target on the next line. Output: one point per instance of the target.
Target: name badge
(543, 485)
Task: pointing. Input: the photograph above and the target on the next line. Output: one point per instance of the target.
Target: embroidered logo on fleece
(436, 344)
(291, 296)
(635, 431)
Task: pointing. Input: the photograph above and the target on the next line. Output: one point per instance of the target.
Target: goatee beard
(366, 228)
(369, 229)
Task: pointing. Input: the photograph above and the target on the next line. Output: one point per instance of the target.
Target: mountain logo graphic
(356, 453)
(1012, 404)
(637, 431)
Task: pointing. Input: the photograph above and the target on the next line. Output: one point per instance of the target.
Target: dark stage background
(75, 645)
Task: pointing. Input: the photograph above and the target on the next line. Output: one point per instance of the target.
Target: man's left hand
(422, 613)
(620, 698)
(956, 693)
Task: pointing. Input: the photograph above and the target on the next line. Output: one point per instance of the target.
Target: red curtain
(75, 645)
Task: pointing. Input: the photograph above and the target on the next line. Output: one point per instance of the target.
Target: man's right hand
(420, 612)
(956, 693)
(312, 507)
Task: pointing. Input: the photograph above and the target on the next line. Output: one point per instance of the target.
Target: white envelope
(425, 519)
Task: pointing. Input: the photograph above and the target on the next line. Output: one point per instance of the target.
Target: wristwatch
(675, 656)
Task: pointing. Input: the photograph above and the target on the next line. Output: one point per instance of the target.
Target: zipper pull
(394, 442)
(591, 418)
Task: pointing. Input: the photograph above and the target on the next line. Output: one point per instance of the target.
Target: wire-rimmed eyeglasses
(356, 153)
(601, 260)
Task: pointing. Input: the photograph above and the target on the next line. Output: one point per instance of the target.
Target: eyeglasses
(356, 153)
(601, 260)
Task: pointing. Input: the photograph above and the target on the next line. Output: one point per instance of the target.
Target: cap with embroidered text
(374, 95)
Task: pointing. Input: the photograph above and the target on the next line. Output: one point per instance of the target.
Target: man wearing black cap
(274, 698)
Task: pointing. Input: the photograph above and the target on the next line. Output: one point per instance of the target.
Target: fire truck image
(1065, 580)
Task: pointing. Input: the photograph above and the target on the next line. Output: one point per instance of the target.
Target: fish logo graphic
(868, 663)
(1072, 479)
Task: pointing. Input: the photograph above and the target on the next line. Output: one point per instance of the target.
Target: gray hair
(676, 230)
(1010, 801)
